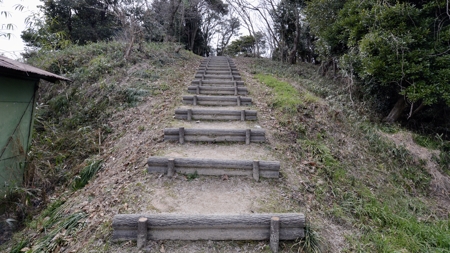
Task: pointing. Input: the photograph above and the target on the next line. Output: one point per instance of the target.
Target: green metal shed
(18, 85)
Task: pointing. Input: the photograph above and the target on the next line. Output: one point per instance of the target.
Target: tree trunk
(293, 52)
(396, 111)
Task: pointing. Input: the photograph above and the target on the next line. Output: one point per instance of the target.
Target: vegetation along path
(225, 150)
(364, 186)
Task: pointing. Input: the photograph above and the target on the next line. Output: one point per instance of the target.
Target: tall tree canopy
(81, 21)
(399, 49)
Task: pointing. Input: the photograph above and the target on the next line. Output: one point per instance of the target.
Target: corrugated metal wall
(17, 98)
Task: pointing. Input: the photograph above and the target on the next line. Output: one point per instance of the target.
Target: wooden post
(142, 233)
(256, 170)
(235, 89)
(239, 101)
(248, 133)
(274, 233)
(181, 135)
(170, 167)
(194, 101)
(198, 90)
(189, 114)
(243, 115)
(200, 82)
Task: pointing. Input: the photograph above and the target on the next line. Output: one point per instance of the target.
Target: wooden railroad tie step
(218, 63)
(217, 100)
(218, 90)
(218, 68)
(214, 167)
(228, 76)
(211, 114)
(256, 227)
(225, 83)
(217, 72)
(214, 135)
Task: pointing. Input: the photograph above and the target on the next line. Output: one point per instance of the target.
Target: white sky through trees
(12, 47)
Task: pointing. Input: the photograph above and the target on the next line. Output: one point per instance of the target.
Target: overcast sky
(13, 47)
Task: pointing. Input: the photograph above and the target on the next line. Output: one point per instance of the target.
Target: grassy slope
(352, 183)
(77, 125)
(347, 171)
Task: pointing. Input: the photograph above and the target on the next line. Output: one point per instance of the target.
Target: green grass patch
(59, 231)
(192, 176)
(360, 179)
(55, 226)
(86, 174)
(286, 97)
(428, 141)
(389, 128)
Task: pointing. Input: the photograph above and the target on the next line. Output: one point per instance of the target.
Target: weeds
(72, 120)
(86, 174)
(192, 176)
(358, 177)
(310, 243)
(435, 142)
(62, 227)
(286, 97)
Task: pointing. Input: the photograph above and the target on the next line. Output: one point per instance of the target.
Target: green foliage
(55, 224)
(294, 36)
(361, 179)
(310, 243)
(286, 97)
(192, 176)
(61, 226)
(65, 22)
(86, 174)
(72, 120)
(427, 141)
(246, 46)
(8, 26)
(19, 246)
(394, 47)
(389, 128)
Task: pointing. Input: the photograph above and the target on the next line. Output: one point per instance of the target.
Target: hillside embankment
(363, 186)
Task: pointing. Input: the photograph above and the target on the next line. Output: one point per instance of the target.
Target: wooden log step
(222, 66)
(203, 114)
(229, 83)
(209, 227)
(212, 167)
(218, 68)
(223, 60)
(218, 72)
(226, 77)
(217, 100)
(214, 135)
(217, 63)
(220, 90)
(217, 59)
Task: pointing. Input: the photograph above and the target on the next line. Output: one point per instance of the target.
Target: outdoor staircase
(217, 83)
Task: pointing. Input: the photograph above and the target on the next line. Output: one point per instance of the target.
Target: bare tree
(245, 12)
(226, 30)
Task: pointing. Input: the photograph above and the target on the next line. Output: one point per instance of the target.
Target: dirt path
(150, 193)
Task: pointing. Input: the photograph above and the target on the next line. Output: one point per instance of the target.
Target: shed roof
(19, 69)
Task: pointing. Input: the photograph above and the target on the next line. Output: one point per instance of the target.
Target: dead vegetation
(360, 190)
